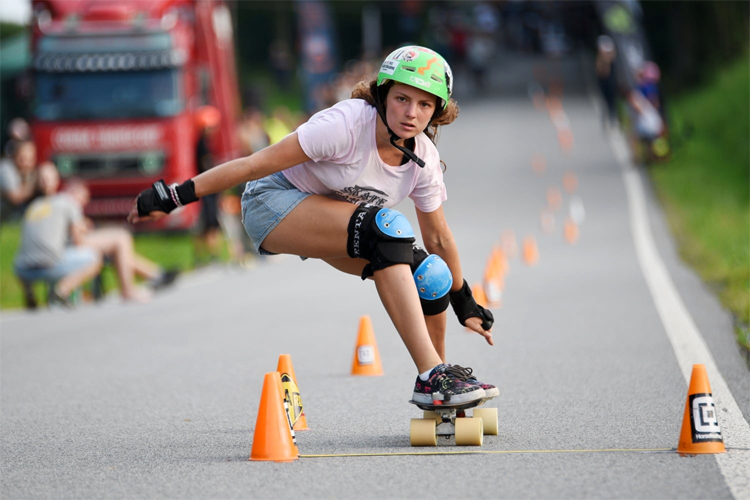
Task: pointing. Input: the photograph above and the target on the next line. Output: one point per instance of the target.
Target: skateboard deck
(451, 420)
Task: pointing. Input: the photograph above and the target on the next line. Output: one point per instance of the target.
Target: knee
(382, 236)
(433, 279)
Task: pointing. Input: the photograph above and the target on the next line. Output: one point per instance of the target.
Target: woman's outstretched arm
(275, 158)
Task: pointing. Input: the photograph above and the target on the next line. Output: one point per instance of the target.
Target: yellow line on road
(487, 452)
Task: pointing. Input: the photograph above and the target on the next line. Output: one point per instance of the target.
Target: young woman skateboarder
(325, 192)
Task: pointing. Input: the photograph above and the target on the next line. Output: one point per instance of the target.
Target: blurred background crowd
(175, 87)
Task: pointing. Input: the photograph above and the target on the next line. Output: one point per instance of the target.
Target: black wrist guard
(163, 198)
(466, 307)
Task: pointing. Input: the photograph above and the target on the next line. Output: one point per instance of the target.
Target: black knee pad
(433, 279)
(380, 235)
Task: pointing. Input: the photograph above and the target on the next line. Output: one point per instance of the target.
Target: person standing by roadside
(606, 77)
(208, 245)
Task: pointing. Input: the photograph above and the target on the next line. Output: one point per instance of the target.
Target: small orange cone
(493, 286)
(500, 261)
(478, 292)
(530, 251)
(554, 198)
(570, 182)
(570, 231)
(274, 438)
(700, 426)
(538, 164)
(547, 220)
(291, 393)
(366, 356)
(509, 243)
(565, 138)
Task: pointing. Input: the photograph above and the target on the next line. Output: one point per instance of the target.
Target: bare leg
(211, 238)
(396, 288)
(75, 279)
(317, 228)
(436, 326)
(145, 268)
(117, 244)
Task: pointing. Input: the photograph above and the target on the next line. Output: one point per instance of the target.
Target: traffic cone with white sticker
(493, 281)
(478, 292)
(700, 425)
(366, 356)
(291, 393)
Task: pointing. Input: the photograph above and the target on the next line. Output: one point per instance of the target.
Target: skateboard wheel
(489, 420)
(469, 432)
(432, 414)
(422, 432)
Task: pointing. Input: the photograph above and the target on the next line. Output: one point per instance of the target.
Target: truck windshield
(107, 95)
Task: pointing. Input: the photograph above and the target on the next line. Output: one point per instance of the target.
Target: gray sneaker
(490, 390)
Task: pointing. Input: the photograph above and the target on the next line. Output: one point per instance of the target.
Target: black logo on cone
(703, 419)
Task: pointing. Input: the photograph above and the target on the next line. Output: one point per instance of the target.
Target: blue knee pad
(433, 279)
(380, 235)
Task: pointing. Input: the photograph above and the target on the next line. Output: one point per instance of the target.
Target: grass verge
(168, 250)
(705, 188)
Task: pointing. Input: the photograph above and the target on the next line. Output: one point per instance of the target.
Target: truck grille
(108, 165)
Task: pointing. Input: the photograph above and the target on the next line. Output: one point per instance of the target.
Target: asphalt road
(160, 400)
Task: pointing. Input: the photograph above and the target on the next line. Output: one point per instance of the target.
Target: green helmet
(419, 67)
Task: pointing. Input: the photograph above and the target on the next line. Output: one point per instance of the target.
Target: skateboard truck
(441, 418)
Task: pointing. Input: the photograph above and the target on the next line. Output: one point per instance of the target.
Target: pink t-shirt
(345, 163)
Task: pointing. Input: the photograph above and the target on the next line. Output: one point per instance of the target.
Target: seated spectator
(49, 223)
(18, 180)
(52, 220)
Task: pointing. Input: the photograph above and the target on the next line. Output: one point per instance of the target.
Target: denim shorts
(265, 203)
(73, 259)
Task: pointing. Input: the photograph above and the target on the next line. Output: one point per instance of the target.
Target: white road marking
(687, 342)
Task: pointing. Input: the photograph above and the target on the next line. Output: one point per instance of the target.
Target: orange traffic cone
(478, 292)
(547, 220)
(274, 438)
(366, 356)
(538, 164)
(554, 198)
(570, 231)
(500, 261)
(291, 393)
(493, 282)
(700, 426)
(570, 182)
(530, 251)
(565, 138)
(509, 243)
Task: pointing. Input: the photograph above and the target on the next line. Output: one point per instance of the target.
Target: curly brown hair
(367, 91)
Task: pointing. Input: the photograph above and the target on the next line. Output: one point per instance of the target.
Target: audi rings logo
(420, 82)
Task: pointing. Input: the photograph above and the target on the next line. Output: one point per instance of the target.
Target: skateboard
(451, 420)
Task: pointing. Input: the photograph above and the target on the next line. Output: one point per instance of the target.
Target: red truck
(117, 85)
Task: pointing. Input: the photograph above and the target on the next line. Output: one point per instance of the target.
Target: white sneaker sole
(491, 393)
(456, 399)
